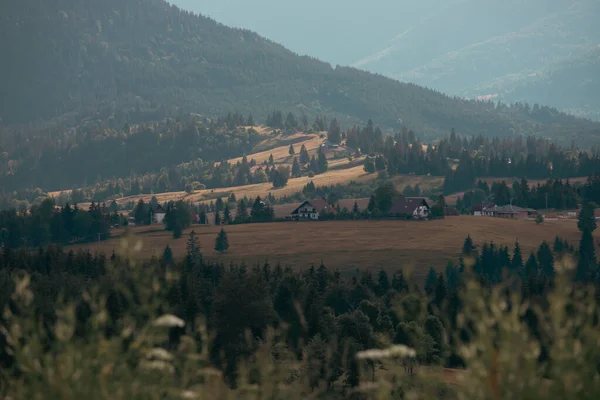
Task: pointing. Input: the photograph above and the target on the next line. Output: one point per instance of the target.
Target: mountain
(459, 47)
(130, 60)
(572, 85)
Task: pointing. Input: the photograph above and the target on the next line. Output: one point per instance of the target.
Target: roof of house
(158, 209)
(510, 209)
(483, 206)
(319, 204)
(408, 205)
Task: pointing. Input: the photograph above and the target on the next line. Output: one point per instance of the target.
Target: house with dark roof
(510, 211)
(483, 209)
(411, 207)
(158, 213)
(311, 209)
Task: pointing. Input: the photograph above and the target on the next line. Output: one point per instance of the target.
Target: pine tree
(271, 160)
(226, 214)
(168, 255)
(516, 264)
(587, 263)
(304, 158)
(335, 132)
(531, 268)
(322, 163)
(242, 211)
(546, 260)
(217, 218)
(295, 168)
(291, 150)
(355, 209)
(193, 256)
(430, 282)
(222, 243)
(372, 204)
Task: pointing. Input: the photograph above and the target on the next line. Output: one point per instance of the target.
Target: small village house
(483, 209)
(158, 214)
(509, 211)
(411, 207)
(311, 209)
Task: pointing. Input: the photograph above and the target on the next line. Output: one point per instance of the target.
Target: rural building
(411, 207)
(509, 211)
(158, 214)
(311, 209)
(483, 209)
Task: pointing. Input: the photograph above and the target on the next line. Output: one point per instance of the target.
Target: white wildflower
(159, 354)
(169, 321)
(157, 365)
(396, 351)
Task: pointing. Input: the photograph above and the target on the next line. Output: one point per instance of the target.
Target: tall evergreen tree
(217, 218)
(546, 260)
(430, 282)
(227, 214)
(296, 168)
(222, 242)
(587, 262)
(291, 151)
(516, 264)
(193, 254)
(304, 157)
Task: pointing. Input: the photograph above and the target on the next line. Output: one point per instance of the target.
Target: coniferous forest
(317, 324)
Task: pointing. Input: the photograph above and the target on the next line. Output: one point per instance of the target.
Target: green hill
(131, 60)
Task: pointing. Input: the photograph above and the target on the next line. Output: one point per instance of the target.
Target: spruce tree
(322, 163)
(168, 255)
(430, 282)
(295, 168)
(546, 260)
(291, 150)
(516, 264)
(222, 243)
(271, 160)
(304, 158)
(226, 214)
(217, 218)
(355, 209)
(531, 268)
(587, 263)
(193, 256)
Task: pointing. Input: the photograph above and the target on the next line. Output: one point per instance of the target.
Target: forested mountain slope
(461, 47)
(131, 60)
(572, 85)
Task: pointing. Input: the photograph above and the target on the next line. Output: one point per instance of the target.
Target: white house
(158, 214)
(311, 209)
(412, 207)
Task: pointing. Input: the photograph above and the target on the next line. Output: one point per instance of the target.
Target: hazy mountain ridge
(460, 47)
(136, 59)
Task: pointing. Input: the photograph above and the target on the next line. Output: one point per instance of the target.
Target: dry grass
(281, 153)
(347, 245)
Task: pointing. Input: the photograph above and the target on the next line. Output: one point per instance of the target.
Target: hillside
(138, 60)
(572, 85)
(455, 46)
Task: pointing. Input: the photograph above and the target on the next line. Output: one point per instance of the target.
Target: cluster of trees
(45, 223)
(322, 310)
(555, 194)
(533, 158)
(129, 159)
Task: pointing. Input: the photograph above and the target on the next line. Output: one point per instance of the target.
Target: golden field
(348, 245)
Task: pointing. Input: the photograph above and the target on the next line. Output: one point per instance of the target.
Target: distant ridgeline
(75, 62)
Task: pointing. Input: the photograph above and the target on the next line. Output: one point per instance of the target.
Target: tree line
(317, 309)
